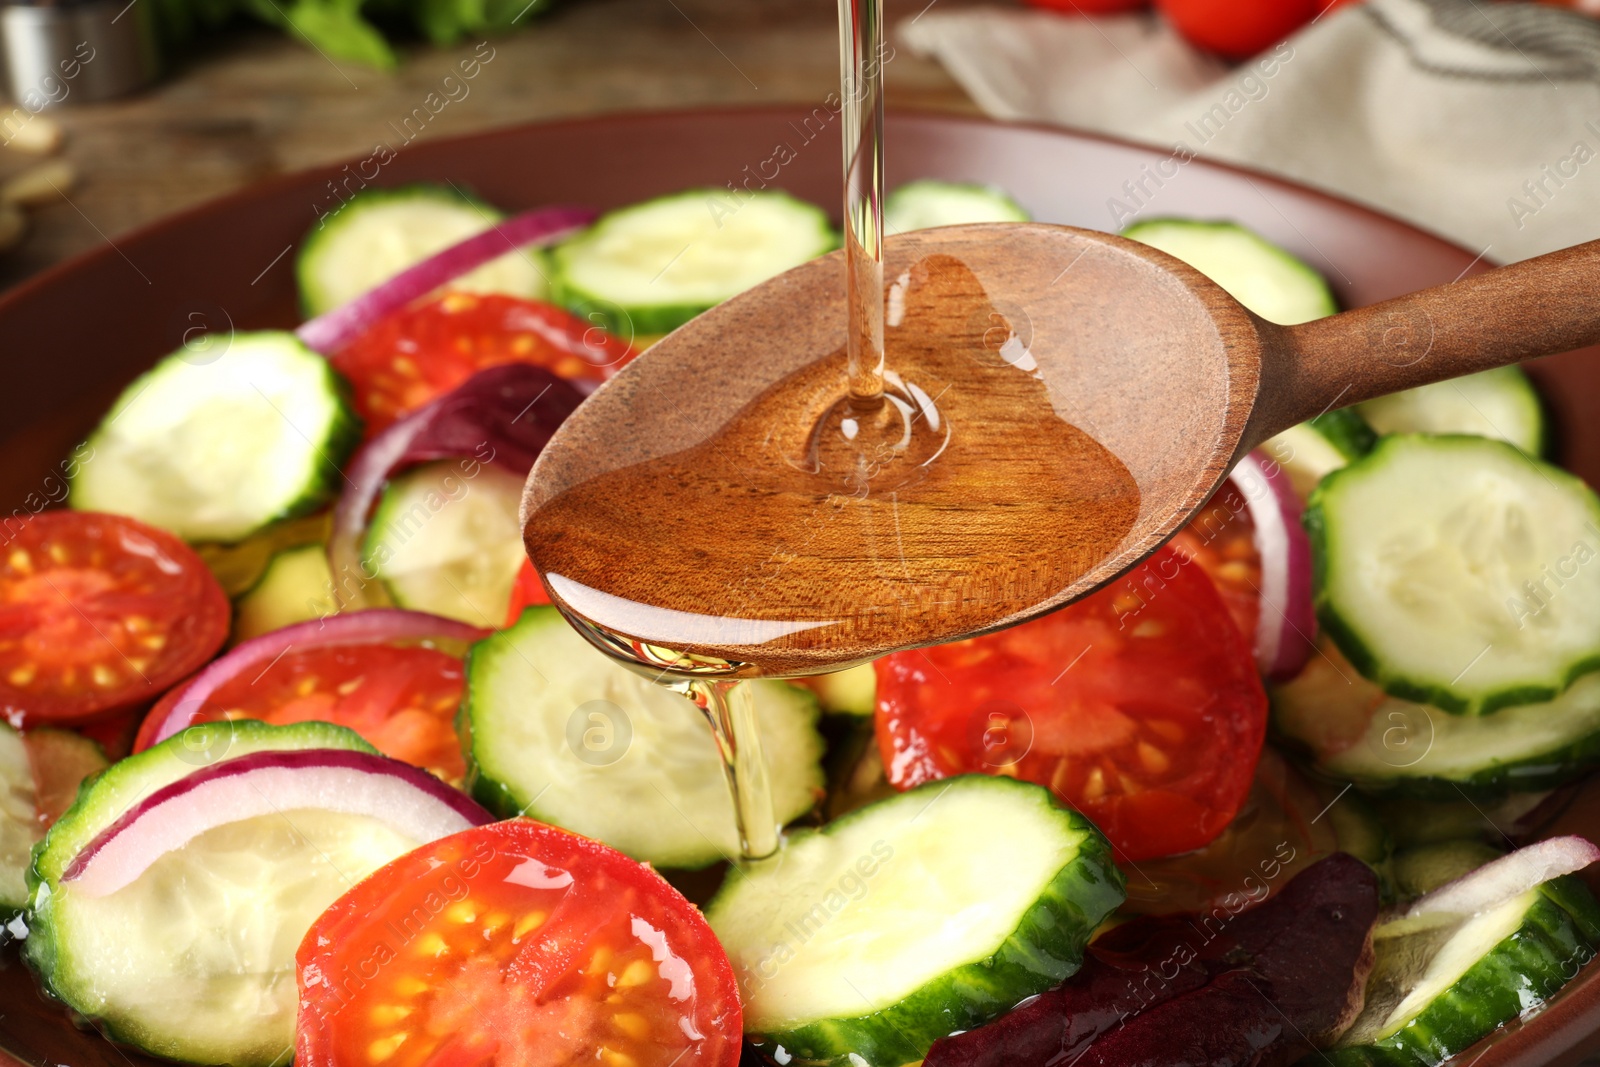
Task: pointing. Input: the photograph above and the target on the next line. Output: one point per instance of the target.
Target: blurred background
(123, 111)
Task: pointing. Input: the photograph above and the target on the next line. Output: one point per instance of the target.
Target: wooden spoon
(1153, 360)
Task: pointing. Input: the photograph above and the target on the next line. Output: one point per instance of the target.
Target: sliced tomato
(1221, 540)
(429, 348)
(527, 591)
(1138, 705)
(401, 697)
(99, 613)
(511, 944)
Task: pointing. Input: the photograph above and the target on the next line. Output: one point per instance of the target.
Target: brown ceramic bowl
(76, 334)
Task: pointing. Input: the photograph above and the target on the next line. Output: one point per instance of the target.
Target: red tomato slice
(527, 591)
(515, 944)
(401, 698)
(1138, 705)
(1222, 540)
(429, 348)
(99, 613)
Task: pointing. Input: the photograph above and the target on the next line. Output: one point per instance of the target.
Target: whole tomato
(1091, 7)
(1238, 29)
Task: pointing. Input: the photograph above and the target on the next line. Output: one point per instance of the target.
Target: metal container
(77, 51)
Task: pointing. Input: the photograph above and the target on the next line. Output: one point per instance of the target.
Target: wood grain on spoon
(1091, 393)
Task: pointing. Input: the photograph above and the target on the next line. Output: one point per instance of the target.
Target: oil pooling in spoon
(917, 479)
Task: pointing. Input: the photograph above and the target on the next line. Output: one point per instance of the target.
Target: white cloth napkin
(1477, 120)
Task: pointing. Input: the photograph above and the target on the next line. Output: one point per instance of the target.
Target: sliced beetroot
(1117, 981)
(1215, 989)
(1230, 1022)
(1312, 943)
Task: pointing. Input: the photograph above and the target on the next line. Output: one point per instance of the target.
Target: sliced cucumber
(1358, 827)
(215, 450)
(927, 913)
(1441, 982)
(562, 733)
(1356, 732)
(1499, 403)
(239, 567)
(447, 544)
(378, 233)
(1312, 450)
(650, 268)
(213, 982)
(19, 821)
(1257, 273)
(129, 781)
(194, 961)
(297, 585)
(1412, 821)
(1424, 868)
(1459, 571)
(848, 692)
(929, 202)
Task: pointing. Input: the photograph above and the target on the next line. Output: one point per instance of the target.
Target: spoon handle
(1538, 307)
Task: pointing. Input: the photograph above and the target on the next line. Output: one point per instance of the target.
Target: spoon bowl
(1145, 355)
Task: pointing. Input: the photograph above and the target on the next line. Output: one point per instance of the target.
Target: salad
(300, 763)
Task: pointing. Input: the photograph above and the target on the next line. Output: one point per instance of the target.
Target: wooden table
(251, 103)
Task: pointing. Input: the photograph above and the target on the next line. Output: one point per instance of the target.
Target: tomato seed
(1153, 760)
(637, 973)
(389, 1014)
(385, 1047)
(632, 1024)
(530, 921)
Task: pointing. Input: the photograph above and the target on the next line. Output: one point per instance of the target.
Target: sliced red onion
(1500, 881)
(503, 415)
(412, 801)
(1288, 622)
(177, 710)
(332, 331)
